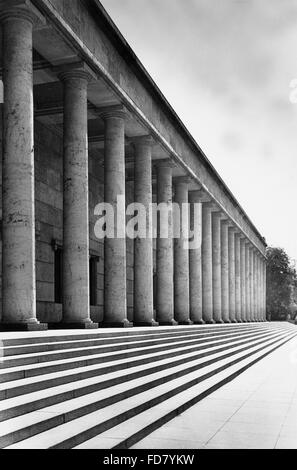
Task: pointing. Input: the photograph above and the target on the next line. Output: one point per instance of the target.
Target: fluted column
(165, 292)
(181, 257)
(143, 247)
(195, 261)
(248, 283)
(115, 294)
(207, 288)
(243, 280)
(216, 267)
(238, 313)
(231, 254)
(225, 271)
(76, 300)
(18, 224)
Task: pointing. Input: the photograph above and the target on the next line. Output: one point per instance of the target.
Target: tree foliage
(281, 277)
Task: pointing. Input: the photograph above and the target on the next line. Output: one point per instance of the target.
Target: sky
(228, 69)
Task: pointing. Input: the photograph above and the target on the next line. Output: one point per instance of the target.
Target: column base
(23, 326)
(146, 323)
(199, 322)
(73, 326)
(185, 322)
(219, 322)
(234, 321)
(227, 321)
(239, 321)
(115, 324)
(168, 323)
(209, 322)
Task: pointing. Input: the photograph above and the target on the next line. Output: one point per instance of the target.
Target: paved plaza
(258, 410)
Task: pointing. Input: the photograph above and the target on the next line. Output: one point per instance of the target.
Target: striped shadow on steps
(82, 418)
(123, 408)
(32, 401)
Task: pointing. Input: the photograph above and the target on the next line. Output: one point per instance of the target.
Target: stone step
(32, 401)
(71, 428)
(64, 336)
(45, 381)
(32, 370)
(58, 346)
(53, 415)
(36, 358)
(128, 433)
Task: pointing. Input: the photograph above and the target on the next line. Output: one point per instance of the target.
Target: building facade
(83, 123)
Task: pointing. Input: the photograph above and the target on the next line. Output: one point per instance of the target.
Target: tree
(281, 278)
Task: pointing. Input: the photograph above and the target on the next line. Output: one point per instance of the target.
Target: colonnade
(220, 280)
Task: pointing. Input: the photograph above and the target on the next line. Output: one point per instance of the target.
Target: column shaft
(252, 283)
(243, 280)
(165, 293)
(207, 290)
(238, 314)
(143, 247)
(195, 263)
(115, 294)
(181, 259)
(231, 254)
(248, 284)
(76, 300)
(264, 290)
(18, 224)
(258, 288)
(216, 268)
(225, 271)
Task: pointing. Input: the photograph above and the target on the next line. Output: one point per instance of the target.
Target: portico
(77, 133)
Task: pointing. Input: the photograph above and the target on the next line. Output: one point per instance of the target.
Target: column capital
(227, 223)
(182, 180)
(200, 196)
(141, 141)
(164, 163)
(20, 10)
(110, 112)
(76, 70)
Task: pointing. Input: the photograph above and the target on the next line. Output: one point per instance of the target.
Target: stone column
(18, 224)
(143, 247)
(231, 254)
(165, 293)
(181, 257)
(261, 285)
(260, 290)
(207, 288)
(195, 262)
(248, 284)
(243, 280)
(225, 271)
(76, 298)
(252, 283)
(258, 280)
(216, 267)
(238, 313)
(115, 293)
(264, 318)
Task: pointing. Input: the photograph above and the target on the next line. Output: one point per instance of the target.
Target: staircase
(110, 389)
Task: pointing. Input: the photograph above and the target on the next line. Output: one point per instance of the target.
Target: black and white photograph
(148, 229)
